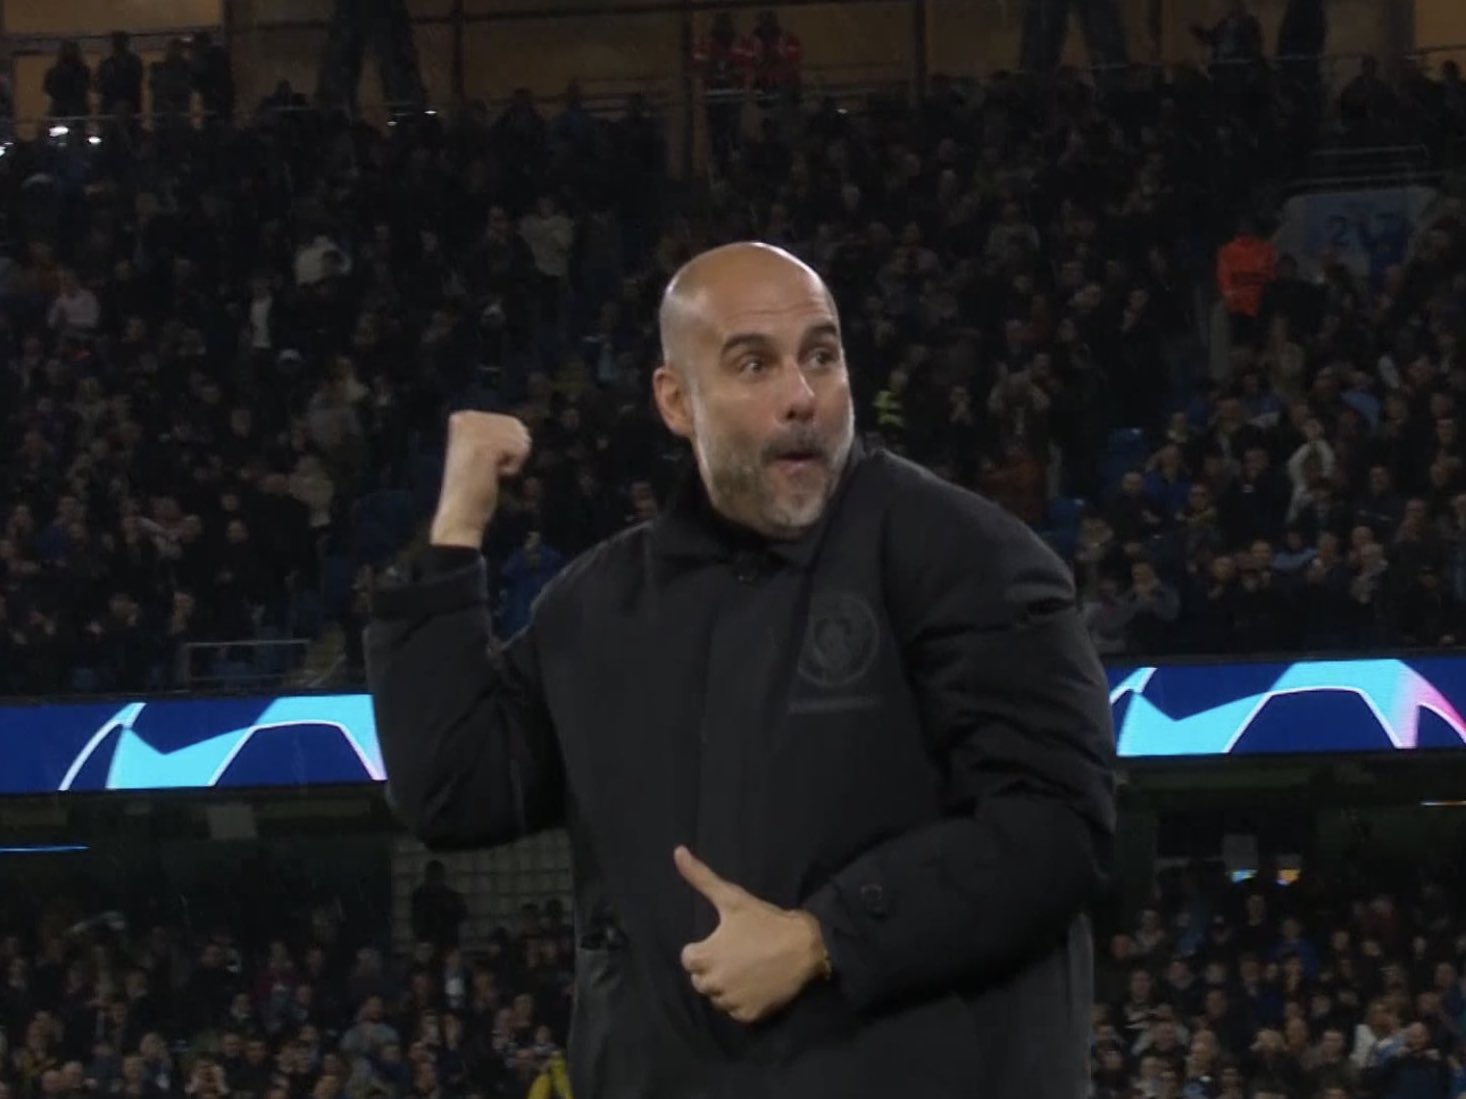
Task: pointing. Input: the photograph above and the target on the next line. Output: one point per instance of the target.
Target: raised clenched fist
(483, 448)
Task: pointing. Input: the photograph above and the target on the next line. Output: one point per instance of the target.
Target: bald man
(832, 748)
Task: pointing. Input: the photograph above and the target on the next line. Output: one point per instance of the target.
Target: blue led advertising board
(1167, 710)
(1310, 706)
(188, 743)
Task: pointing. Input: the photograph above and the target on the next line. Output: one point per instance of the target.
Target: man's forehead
(766, 308)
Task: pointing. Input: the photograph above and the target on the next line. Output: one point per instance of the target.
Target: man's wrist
(448, 531)
(816, 964)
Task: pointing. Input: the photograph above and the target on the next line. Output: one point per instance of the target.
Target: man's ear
(674, 401)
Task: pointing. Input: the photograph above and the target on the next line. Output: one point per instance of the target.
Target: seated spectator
(75, 312)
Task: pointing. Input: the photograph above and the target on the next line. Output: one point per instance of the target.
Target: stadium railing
(240, 665)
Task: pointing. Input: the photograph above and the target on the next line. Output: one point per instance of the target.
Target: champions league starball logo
(1310, 706)
(210, 743)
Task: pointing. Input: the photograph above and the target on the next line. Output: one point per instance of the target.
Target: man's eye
(753, 364)
(824, 357)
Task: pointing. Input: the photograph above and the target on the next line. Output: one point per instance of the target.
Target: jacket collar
(688, 529)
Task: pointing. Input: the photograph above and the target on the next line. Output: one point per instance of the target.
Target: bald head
(723, 282)
(754, 378)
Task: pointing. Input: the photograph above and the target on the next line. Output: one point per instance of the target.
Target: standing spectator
(120, 79)
(213, 78)
(775, 57)
(550, 234)
(721, 61)
(171, 83)
(438, 910)
(68, 83)
(1236, 37)
(1246, 265)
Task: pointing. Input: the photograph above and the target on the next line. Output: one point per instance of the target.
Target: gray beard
(739, 486)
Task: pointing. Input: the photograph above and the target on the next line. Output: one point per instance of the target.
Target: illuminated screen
(192, 743)
(1173, 710)
(1347, 706)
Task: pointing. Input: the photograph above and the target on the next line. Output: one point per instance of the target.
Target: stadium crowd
(102, 1006)
(1218, 990)
(1257, 990)
(229, 350)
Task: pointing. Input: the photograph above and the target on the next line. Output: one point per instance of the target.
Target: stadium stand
(228, 355)
(1318, 989)
(230, 351)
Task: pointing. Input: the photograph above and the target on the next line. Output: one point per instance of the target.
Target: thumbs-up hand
(759, 958)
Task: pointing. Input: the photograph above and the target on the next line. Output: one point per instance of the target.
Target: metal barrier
(93, 127)
(678, 103)
(236, 665)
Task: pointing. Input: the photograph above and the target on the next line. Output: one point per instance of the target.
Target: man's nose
(797, 394)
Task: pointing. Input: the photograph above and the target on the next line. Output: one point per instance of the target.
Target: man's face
(1139, 986)
(765, 399)
(1417, 1037)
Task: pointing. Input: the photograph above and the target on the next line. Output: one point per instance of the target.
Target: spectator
(722, 62)
(525, 575)
(171, 84)
(1237, 36)
(438, 910)
(68, 83)
(75, 312)
(549, 234)
(1409, 1070)
(213, 77)
(119, 78)
(1246, 265)
(774, 57)
(1154, 606)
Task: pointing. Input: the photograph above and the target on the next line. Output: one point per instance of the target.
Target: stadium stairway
(324, 662)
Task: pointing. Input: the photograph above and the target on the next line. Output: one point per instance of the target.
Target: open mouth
(799, 461)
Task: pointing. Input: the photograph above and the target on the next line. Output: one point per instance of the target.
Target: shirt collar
(690, 530)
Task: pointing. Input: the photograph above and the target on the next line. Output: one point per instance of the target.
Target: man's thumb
(696, 873)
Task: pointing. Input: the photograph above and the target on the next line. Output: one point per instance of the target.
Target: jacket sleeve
(1015, 706)
(469, 748)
